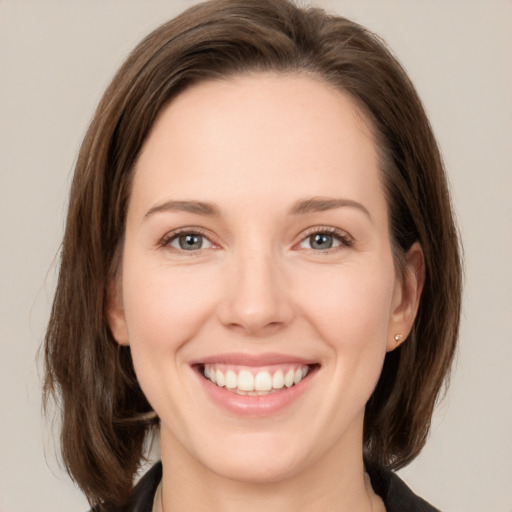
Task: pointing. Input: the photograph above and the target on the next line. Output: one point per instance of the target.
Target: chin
(252, 457)
(253, 468)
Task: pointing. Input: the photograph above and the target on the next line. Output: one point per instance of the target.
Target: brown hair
(104, 412)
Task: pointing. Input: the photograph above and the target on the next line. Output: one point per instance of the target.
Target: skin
(254, 146)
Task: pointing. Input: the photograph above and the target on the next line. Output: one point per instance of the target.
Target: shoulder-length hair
(105, 416)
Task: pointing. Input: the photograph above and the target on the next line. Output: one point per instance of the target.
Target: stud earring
(398, 338)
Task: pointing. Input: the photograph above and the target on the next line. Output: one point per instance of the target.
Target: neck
(334, 484)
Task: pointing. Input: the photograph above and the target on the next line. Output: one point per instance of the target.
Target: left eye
(189, 242)
(322, 241)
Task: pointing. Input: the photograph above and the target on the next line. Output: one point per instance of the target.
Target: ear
(406, 297)
(115, 313)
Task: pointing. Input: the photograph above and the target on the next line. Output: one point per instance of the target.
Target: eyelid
(344, 237)
(188, 230)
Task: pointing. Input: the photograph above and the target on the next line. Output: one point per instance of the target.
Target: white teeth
(261, 383)
(245, 381)
(288, 378)
(278, 380)
(220, 379)
(231, 379)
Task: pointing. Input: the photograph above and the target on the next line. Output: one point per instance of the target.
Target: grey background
(56, 58)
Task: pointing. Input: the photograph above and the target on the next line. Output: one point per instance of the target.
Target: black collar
(394, 492)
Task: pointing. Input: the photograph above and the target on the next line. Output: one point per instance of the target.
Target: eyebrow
(300, 207)
(197, 207)
(321, 204)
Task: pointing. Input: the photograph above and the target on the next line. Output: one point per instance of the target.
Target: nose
(257, 301)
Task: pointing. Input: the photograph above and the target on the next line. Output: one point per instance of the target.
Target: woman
(260, 261)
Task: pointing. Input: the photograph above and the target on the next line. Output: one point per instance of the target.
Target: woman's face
(257, 252)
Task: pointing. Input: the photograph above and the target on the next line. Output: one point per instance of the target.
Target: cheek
(352, 308)
(164, 306)
(350, 314)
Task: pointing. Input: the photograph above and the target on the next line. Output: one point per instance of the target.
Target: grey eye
(190, 242)
(321, 241)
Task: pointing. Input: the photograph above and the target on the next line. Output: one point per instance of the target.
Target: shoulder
(394, 492)
(144, 492)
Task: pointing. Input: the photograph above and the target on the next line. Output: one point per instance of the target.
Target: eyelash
(166, 240)
(341, 236)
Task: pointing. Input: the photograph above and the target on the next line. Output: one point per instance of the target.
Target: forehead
(258, 133)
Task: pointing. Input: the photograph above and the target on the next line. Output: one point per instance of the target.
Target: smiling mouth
(252, 381)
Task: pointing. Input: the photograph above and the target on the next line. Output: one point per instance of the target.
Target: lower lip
(263, 405)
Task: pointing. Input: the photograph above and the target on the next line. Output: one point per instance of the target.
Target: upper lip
(264, 359)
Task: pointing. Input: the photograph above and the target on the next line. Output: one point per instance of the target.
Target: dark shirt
(394, 493)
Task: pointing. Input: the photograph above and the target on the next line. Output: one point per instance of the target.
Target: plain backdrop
(56, 58)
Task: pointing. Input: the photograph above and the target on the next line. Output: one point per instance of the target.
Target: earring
(398, 338)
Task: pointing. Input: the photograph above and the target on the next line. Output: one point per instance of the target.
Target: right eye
(189, 242)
